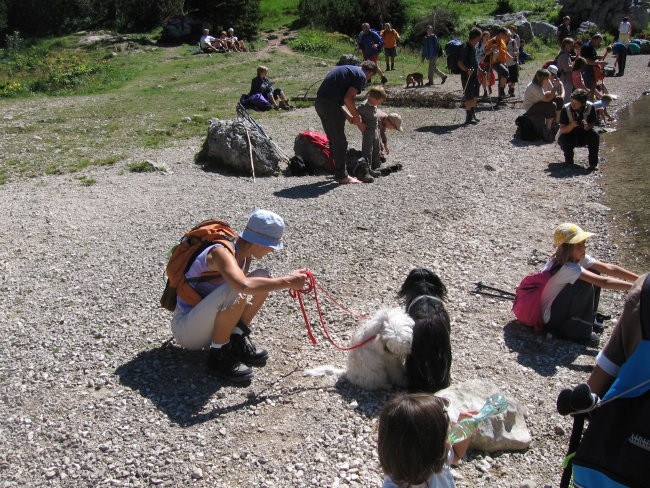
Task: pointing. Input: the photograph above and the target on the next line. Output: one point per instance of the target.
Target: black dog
(429, 363)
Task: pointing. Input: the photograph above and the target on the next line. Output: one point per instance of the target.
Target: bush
(346, 16)
(444, 22)
(503, 7)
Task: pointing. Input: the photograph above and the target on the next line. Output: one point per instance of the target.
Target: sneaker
(244, 350)
(363, 173)
(222, 363)
(444, 78)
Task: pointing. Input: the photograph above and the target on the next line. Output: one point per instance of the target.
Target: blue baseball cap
(264, 228)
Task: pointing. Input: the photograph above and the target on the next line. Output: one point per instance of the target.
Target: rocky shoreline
(94, 392)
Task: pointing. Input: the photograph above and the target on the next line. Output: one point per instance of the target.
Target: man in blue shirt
(620, 51)
(370, 43)
(338, 90)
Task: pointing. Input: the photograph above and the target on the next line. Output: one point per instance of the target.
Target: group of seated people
(226, 42)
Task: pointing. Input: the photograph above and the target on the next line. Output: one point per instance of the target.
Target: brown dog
(415, 79)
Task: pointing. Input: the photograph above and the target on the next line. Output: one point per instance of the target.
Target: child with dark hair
(413, 445)
(570, 297)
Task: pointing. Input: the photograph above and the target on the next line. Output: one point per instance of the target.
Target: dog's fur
(429, 362)
(414, 79)
(379, 364)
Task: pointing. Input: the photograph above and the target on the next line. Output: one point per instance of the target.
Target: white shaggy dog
(380, 362)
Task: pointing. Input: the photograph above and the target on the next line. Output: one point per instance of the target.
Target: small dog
(378, 364)
(429, 362)
(414, 79)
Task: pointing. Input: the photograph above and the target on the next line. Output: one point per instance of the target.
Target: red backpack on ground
(193, 243)
(528, 299)
(320, 145)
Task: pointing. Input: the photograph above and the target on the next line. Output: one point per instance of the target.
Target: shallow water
(626, 183)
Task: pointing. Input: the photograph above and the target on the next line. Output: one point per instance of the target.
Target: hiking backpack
(453, 50)
(615, 448)
(528, 299)
(182, 255)
(529, 128)
(314, 148)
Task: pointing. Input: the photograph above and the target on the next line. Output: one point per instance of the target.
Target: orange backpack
(193, 243)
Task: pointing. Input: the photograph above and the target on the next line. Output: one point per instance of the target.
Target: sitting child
(275, 96)
(413, 445)
(570, 298)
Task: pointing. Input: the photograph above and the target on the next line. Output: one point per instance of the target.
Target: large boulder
(544, 30)
(607, 14)
(504, 432)
(228, 146)
(518, 19)
(585, 30)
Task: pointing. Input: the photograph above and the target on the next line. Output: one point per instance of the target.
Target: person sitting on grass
(275, 96)
(209, 44)
(237, 44)
(222, 319)
(413, 445)
(570, 298)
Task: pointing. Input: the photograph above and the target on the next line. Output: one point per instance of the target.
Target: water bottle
(494, 405)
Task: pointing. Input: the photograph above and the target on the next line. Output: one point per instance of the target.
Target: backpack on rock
(193, 243)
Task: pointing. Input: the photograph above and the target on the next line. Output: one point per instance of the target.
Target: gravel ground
(95, 393)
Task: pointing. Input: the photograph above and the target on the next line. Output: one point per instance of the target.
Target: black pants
(574, 310)
(579, 137)
(333, 120)
(621, 62)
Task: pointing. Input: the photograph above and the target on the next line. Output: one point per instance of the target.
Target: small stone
(197, 473)
(559, 430)
(527, 484)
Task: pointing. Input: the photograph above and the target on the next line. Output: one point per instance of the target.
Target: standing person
(564, 29)
(431, 51)
(497, 48)
(275, 96)
(485, 72)
(564, 63)
(468, 76)
(339, 88)
(413, 445)
(577, 120)
(370, 141)
(222, 318)
(570, 298)
(390, 37)
(512, 63)
(619, 51)
(370, 43)
(625, 31)
(589, 52)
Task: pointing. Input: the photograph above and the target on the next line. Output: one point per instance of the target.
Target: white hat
(552, 68)
(396, 119)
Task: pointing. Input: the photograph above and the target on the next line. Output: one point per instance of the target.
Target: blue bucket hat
(264, 228)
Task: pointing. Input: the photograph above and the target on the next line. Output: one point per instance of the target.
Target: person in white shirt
(570, 298)
(209, 44)
(625, 31)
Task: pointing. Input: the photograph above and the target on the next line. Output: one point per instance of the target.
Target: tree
(242, 15)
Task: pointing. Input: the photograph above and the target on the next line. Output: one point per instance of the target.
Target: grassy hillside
(69, 104)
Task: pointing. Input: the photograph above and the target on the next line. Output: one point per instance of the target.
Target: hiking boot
(602, 317)
(511, 92)
(375, 173)
(474, 116)
(429, 83)
(598, 327)
(444, 78)
(363, 173)
(593, 340)
(222, 363)
(244, 350)
(469, 118)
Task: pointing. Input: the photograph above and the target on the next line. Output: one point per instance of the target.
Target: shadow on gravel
(311, 190)
(541, 354)
(175, 381)
(440, 129)
(562, 170)
(367, 403)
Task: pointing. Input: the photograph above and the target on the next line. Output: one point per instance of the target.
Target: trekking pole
(464, 90)
(492, 292)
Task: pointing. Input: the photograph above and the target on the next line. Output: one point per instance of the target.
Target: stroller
(615, 448)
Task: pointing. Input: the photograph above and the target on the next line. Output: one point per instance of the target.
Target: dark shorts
(472, 88)
(501, 69)
(391, 52)
(513, 73)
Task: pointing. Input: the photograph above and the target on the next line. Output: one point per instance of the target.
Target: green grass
(278, 13)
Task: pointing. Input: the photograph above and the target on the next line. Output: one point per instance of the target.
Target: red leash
(312, 286)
